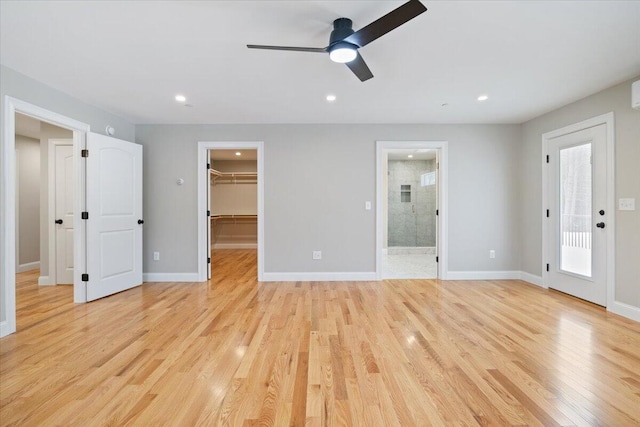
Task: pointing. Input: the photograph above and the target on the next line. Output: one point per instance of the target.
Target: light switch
(627, 204)
(367, 205)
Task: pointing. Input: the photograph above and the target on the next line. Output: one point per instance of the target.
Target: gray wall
(317, 178)
(627, 153)
(412, 223)
(32, 91)
(28, 200)
(26, 89)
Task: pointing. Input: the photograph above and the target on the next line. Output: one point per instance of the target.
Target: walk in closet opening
(233, 212)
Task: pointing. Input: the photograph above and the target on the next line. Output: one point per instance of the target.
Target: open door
(114, 224)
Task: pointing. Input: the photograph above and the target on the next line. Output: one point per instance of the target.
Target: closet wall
(234, 204)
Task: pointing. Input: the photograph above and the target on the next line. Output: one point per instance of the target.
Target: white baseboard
(319, 277)
(28, 267)
(483, 275)
(45, 281)
(531, 278)
(170, 277)
(4, 329)
(234, 246)
(625, 310)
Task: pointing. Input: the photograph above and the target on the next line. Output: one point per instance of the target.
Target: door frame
(607, 120)
(51, 196)
(443, 196)
(203, 176)
(8, 202)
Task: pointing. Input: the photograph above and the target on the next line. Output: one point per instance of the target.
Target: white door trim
(608, 120)
(203, 176)
(51, 196)
(8, 202)
(443, 196)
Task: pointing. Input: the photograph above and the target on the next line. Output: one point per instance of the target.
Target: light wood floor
(393, 353)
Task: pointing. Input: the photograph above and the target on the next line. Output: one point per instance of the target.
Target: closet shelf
(233, 217)
(233, 177)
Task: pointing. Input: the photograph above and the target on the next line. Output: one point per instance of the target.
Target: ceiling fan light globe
(343, 53)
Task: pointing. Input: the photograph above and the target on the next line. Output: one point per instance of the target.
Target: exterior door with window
(577, 228)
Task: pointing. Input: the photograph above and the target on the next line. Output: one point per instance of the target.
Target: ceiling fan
(344, 42)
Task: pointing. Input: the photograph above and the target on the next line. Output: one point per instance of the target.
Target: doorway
(411, 214)
(8, 264)
(44, 200)
(230, 205)
(233, 211)
(579, 211)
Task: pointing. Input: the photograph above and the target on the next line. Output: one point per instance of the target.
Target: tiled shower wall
(411, 223)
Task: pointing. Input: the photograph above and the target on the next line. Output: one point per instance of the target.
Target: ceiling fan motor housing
(342, 28)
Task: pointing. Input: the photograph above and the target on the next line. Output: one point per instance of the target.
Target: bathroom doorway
(410, 194)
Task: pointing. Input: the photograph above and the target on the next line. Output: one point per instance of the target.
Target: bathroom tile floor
(409, 266)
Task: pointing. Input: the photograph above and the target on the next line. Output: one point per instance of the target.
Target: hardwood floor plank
(235, 352)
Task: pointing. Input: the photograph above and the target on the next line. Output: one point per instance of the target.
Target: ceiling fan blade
(360, 68)
(290, 48)
(388, 22)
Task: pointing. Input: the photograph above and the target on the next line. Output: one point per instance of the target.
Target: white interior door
(63, 208)
(114, 226)
(577, 232)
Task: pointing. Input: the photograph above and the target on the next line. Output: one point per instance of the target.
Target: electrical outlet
(156, 256)
(492, 253)
(317, 255)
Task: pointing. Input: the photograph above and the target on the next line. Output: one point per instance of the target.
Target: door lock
(58, 221)
(601, 212)
(600, 225)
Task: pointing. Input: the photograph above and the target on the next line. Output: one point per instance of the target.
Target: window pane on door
(575, 209)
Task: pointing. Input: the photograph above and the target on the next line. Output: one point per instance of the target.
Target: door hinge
(547, 213)
(85, 277)
(84, 153)
(208, 165)
(437, 212)
(208, 213)
(208, 260)
(437, 259)
(547, 158)
(84, 215)
(547, 267)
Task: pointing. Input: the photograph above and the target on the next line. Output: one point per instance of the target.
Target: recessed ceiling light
(410, 156)
(331, 98)
(238, 153)
(181, 98)
(483, 98)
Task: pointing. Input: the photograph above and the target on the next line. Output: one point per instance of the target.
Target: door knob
(601, 212)
(140, 221)
(600, 225)
(58, 221)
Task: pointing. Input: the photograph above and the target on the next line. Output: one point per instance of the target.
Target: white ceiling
(132, 57)
(418, 154)
(27, 126)
(219, 154)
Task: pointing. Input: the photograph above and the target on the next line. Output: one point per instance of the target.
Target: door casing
(608, 120)
(8, 202)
